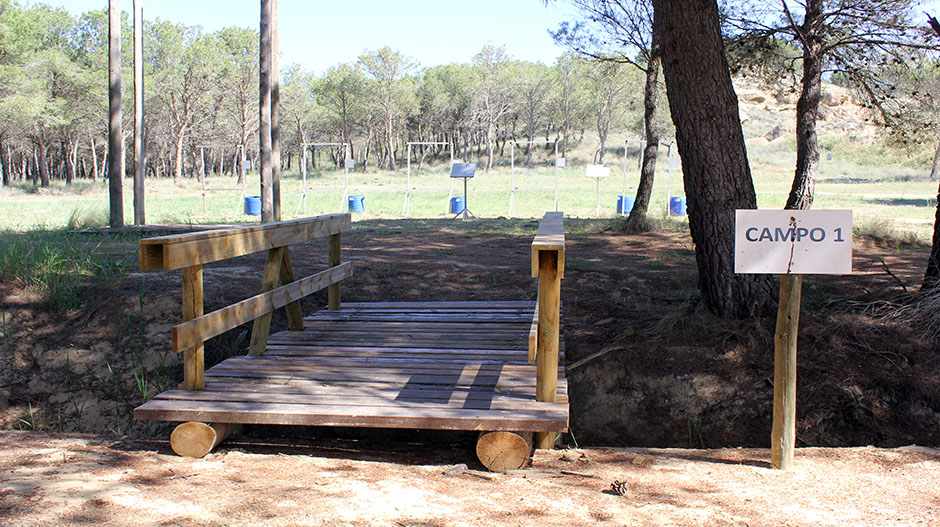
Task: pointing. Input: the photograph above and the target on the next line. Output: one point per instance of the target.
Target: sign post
(790, 243)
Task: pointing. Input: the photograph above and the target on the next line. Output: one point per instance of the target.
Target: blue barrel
(357, 203)
(677, 206)
(253, 205)
(624, 204)
(456, 205)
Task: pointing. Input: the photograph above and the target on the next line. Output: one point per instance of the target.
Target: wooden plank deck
(423, 365)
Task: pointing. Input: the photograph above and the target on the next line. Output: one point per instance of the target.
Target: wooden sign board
(463, 170)
(793, 241)
(598, 171)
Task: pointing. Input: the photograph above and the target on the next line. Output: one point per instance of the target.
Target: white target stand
(597, 173)
(463, 171)
(347, 164)
(559, 163)
(203, 169)
(406, 206)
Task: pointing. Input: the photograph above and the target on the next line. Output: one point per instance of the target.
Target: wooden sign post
(790, 243)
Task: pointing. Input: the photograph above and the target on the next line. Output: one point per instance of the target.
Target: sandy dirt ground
(65, 480)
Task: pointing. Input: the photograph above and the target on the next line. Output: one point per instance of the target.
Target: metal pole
(668, 177)
(556, 178)
(344, 206)
(202, 157)
(512, 177)
(623, 193)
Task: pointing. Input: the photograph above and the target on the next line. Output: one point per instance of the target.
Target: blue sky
(317, 34)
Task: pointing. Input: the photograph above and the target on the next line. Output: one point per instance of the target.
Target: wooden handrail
(184, 250)
(191, 250)
(197, 330)
(548, 265)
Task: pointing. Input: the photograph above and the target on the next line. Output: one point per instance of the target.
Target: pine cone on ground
(619, 487)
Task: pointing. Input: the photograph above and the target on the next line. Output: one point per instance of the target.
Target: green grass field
(880, 188)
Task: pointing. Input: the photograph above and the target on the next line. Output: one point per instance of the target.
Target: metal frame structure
(205, 186)
(669, 158)
(512, 173)
(344, 201)
(406, 206)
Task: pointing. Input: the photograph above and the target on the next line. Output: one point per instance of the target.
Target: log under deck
(427, 365)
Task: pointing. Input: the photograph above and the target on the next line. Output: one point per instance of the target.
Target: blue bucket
(677, 206)
(624, 204)
(456, 205)
(357, 203)
(253, 205)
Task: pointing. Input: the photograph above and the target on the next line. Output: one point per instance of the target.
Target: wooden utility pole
(115, 125)
(269, 133)
(783, 433)
(140, 156)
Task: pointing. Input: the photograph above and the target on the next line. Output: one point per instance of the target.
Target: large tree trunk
(714, 159)
(178, 171)
(637, 221)
(935, 166)
(265, 84)
(115, 125)
(140, 165)
(43, 162)
(807, 156)
(5, 164)
(932, 276)
(490, 137)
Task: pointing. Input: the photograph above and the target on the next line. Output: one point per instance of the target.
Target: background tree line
(201, 89)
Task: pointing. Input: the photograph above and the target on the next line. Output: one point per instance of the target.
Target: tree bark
(275, 80)
(807, 155)
(115, 124)
(264, 114)
(932, 276)
(5, 163)
(140, 165)
(935, 165)
(714, 158)
(637, 221)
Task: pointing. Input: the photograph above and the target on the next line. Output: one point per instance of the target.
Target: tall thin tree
(115, 125)
(140, 157)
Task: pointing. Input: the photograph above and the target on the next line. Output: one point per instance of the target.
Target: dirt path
(63, 480)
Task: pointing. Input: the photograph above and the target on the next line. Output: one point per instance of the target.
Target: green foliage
(53, 264)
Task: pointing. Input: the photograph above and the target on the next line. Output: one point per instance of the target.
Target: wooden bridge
(491, 367)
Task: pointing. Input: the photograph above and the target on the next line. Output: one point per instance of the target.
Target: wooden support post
(501, 451)
(194, 439)
(295, 317)
(333, 291)
(546, 384)
(783, 435)
(262, 326)
(194, 375)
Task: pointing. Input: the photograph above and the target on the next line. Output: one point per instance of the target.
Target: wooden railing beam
(222, 320)
(183, 250)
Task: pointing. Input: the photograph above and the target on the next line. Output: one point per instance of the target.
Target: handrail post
(333, 291)
(194, 376)
(549, 303)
